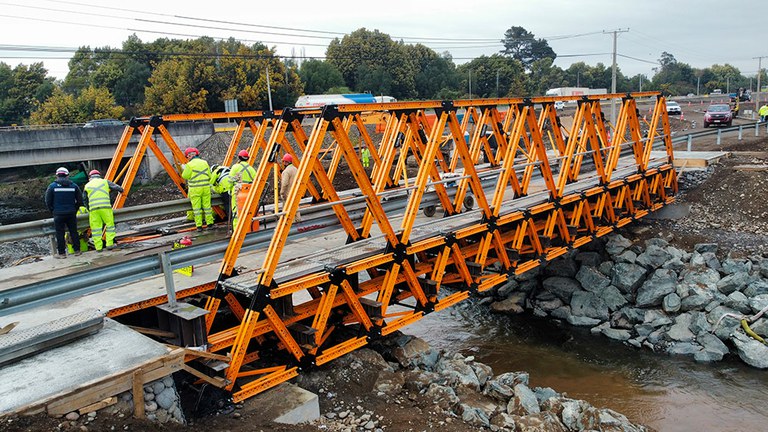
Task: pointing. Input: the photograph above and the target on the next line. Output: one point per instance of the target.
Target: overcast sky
(700, 33)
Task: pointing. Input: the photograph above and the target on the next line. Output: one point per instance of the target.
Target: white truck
(308, 101)
(575, 91)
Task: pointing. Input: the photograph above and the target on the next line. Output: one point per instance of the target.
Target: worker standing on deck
(287, 178)
(222, 184)
(763, 112)
(242, 175)
(99, 204)
(197, 173)
(63, 198)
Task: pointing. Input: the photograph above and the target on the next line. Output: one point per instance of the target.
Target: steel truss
(541, 190)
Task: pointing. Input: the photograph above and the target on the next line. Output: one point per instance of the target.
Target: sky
(50, 30)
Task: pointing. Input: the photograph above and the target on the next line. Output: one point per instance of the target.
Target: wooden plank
(98, 405)
(154, 332)
(103, 388)
(138, 393)
(216, 381)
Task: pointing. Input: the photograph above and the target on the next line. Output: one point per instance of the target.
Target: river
(667, 393)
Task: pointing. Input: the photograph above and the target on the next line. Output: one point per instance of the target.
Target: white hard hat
(62, 171)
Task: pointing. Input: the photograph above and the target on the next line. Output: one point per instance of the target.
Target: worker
(197, 173)
(365, 154)
(242, 175)
(83, 235)
(222, 184)
(242, 171)
(63, 198)
(287, 178)
(97, 200)
(763, 112)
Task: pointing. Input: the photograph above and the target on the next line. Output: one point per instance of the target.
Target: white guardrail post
(741, 127)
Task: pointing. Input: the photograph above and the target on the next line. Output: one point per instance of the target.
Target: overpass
(20, 148)
(301, 300)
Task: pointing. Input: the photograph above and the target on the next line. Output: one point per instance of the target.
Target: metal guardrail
(720, 131)
(44, 227)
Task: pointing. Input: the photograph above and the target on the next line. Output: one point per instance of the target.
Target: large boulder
(458, 373)
(698, 298)
(653, 257)
(714, 348)
(751, 351)
(617, 244)
(736, 265)
(702, 277)
(591, 279)
(656, 318)
(740, 302)
(412, 351)
(565, 267)
(671, 303)
(655, 288)
(616, 334)
(584, 303)
(524, 402)
(627, 277)
(756, 288)
(758, 303)
(612, 298)
(733, 282)
(680, 331)
(699, 323)
(540, 422)
(564, 313)
(724, 321)
(561, 287)
(588, 259)
(442, 396)
(509, 306)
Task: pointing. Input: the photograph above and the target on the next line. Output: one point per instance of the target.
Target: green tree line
(189, 76)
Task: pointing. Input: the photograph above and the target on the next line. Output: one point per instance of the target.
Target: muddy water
(663, 392)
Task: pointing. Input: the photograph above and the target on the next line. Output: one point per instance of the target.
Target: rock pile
(455, 389)
(652, 295)
(161, 405)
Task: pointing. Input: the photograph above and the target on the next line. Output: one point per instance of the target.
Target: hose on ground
(745, 320)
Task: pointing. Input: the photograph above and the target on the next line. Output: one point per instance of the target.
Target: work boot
(110, 247)
(199, 229)
(99, 250)
(60, 256)
(78, 253)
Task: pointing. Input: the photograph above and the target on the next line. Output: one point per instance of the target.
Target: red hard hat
(243, 153)
(288, 158)
(190, 151)
(94, 173)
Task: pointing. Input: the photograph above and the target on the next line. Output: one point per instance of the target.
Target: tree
(318, 76)
(434, 72)
(362, 52)
(521, 45)
(91, 103)
(674, 77)
(544, 76)
(22, 89)
(511, 77)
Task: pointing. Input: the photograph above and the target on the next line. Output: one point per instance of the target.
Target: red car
(719, 114)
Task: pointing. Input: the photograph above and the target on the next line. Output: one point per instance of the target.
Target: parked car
(559, 105)
(718, 114)
(103, 123)
(673, 108)
(717, 92)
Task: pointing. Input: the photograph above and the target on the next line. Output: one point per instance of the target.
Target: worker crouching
(97, 201)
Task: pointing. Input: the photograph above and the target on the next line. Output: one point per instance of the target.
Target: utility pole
(641, 82)
(269, 89)
(577, 78)
(759, 72)
(470, 84)
(613, 71)
(698, 83)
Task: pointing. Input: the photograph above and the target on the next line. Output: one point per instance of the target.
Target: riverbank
(399, 383)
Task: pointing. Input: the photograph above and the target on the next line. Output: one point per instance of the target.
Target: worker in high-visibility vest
(242, 175)
(99, 205)
(197, 173)
(222, 184)
(82, 234)
(763, 112)
(366, 156)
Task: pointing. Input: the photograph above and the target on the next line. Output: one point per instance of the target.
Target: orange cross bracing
(540, 188)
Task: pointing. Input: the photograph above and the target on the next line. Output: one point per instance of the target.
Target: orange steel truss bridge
(540, 189)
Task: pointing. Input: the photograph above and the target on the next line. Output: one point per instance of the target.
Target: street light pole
(759, 73)
(613, 71)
